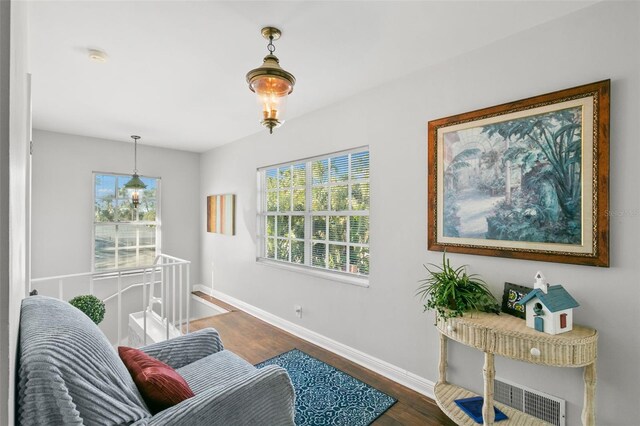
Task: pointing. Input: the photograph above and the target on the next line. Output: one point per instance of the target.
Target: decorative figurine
(549, 309)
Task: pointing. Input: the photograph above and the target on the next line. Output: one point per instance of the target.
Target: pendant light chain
(135, 154)
(271, 47)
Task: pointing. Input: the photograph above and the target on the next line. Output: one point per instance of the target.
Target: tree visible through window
(124, 236)
(316, 212)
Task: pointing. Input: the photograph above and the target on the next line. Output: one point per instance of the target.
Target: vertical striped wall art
(221, 214)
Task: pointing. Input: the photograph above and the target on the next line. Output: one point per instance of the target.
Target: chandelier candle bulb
(135, 198)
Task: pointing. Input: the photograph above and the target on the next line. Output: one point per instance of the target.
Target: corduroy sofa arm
(183, 350)
(263, 397)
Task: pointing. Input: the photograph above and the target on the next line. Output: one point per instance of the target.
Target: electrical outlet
(298, 310)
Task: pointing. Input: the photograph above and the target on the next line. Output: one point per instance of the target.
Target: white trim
(316, 157)
(390, 371)
(327, 274)
(203, 288)
(309, 214)
(217, 309)
(157, 223)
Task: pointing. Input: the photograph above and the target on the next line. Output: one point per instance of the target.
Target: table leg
(442, 366)
(589, 408)
(489, 372)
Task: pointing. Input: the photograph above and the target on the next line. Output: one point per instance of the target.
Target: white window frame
(308, 213)
(157, 222)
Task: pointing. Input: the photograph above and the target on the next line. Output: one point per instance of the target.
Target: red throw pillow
(160, 385)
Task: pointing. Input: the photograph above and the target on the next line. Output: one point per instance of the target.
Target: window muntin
(315, 212)
(123, 236)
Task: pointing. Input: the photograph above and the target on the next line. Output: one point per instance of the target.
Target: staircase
(143, 304)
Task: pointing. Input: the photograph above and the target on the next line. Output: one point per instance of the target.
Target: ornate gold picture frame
(528, 179)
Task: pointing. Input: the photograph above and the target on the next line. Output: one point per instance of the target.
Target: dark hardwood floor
(256, 341)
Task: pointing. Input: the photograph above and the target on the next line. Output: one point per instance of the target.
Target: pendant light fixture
(135, 184)
(271, 84)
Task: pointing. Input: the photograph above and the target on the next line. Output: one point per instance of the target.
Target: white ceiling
(175, 73)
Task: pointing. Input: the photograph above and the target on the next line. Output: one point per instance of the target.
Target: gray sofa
(69, 374)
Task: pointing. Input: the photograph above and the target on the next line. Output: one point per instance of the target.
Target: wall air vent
(535, 403)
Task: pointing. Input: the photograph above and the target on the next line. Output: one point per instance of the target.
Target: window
(123, 236)
(315, 212)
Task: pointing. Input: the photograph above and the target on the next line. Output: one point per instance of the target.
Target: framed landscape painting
(528, 179)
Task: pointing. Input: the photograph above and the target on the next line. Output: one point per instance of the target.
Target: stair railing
(169, 273)
(168, 267)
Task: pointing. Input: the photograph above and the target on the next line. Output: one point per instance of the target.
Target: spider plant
(451, 291)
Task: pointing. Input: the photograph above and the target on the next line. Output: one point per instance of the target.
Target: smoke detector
(97, 55)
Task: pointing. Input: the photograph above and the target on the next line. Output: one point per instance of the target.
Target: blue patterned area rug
(328, 396)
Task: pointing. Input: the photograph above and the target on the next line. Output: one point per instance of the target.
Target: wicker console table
(509, 336)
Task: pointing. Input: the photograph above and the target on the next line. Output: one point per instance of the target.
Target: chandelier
(135, 184)
(271, 84)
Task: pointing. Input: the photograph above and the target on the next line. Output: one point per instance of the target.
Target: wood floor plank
(215, 301)
(257, 341)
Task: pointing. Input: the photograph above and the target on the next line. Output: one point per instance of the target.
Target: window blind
(315, 212)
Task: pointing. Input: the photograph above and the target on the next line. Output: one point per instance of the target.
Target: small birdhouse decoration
(549, 308)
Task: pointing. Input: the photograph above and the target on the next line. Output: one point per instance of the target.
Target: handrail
(166, 266)
(175, 259)
(106, 299)
(107, 274)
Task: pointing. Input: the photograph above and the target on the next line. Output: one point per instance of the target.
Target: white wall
(62, 216)
(5, 49)
(14, 189)
(386, 320)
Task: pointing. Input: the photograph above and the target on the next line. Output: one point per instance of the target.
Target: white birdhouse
(549, 308)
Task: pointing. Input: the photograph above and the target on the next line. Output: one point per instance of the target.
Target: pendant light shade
(271, 84)
(135, 184)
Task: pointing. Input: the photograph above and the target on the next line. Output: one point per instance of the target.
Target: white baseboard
(202, 288)
(390, 371)
(212, 307)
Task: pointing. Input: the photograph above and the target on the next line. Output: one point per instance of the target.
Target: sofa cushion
(160, 385)
(216, 369)
(68, 372)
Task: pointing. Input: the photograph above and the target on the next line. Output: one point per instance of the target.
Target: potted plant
(451, 291)
(91, 306)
